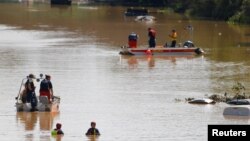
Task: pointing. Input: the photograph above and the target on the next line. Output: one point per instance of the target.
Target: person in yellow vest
(173, 36)
(57, 130)
(93, 130)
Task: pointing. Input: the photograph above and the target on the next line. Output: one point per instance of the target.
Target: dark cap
(47, 76)
(31, 76)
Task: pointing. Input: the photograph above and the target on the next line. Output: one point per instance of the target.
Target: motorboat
(187, 49)
(42, 105)
(202, 101)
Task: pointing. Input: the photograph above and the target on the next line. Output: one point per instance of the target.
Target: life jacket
(173, 35)
(56, 132)
(29, 85)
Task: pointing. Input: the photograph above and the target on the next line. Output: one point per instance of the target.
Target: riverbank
(237, 12)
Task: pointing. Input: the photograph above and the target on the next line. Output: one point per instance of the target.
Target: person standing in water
(57, 130)
(92, 130)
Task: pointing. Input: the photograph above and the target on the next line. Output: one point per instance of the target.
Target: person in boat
(23, 94)
(132, 40)
(27, 86)
(30, 91)
(173, 36)
(57, 130)
(93, 130)
(46, 88)
(152, 37)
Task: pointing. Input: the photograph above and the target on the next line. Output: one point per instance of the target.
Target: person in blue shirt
(46, 88)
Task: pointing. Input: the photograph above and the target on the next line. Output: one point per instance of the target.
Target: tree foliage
(242, 15)
(232, 10)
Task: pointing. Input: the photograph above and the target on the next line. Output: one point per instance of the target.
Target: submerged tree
(238, 89)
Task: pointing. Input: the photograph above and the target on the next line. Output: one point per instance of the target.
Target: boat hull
(160, 51)
(41, 106)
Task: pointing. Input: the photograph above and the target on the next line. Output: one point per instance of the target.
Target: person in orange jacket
(173, 36)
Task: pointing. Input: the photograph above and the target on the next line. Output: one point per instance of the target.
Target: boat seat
(44, 99)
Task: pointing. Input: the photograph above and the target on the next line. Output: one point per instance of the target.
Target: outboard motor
(198, 51)
(188, 44)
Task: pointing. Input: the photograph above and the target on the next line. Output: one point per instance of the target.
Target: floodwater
(131, 98)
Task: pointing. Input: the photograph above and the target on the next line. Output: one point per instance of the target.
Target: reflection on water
(28, 119)
(134, 61)
(32, 119)
(237, 118)
(57, 137)
(93, 138)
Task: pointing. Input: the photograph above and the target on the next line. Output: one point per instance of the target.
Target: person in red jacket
(152, 37)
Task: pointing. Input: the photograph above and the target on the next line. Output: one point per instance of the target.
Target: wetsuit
(93, 131)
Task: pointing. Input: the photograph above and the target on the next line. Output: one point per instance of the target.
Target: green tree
(242, 16)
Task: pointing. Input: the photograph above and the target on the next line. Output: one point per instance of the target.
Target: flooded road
(130, 98)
